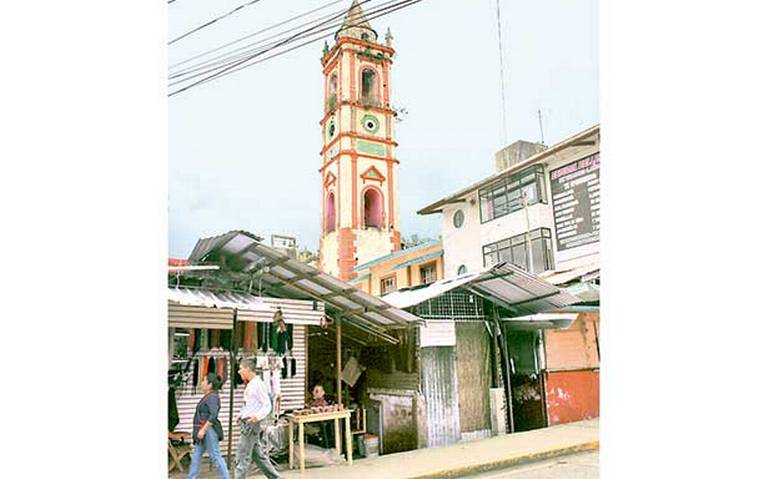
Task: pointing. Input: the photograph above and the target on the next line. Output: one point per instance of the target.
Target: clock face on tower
(370, 123)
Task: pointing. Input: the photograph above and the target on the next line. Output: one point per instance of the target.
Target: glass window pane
(539, 256)
(505, 255)
(518, 256)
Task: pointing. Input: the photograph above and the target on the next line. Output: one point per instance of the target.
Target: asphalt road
(577, 466)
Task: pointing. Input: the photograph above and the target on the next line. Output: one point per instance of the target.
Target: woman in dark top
(207, 431)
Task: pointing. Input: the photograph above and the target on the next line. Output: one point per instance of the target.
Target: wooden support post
(232, 373)
(338, 361)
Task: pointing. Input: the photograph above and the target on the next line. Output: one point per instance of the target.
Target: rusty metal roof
(503, 284)
(285, 276)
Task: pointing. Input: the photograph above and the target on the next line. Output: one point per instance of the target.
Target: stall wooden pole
(232, 372)
(338, 361)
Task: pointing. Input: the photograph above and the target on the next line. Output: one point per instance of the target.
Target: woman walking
(207, 430)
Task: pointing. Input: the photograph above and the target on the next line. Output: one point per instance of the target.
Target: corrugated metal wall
(291, 392)
(294, 311)
(572, 396)
(441, 397)
(473, 360)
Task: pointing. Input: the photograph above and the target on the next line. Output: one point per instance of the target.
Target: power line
(211, 22)
(233, 56)
(257, 33)
(211, 61)
(501, 71)
(241, 64)
(251, 57)
(237, 66)
(403, 4)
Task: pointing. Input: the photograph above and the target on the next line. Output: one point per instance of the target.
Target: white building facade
(555, 233)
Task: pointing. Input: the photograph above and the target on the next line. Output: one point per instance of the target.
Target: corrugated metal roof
(542, 321)
(503, 284)
(285, 276)
(215, 299)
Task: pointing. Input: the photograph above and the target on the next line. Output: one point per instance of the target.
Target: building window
(506, 195)
(462, 270)
(428, 273)
(515, 250)
(330, 213)
(369, 85)
(373, 208)
(388, 285)
(458, 219)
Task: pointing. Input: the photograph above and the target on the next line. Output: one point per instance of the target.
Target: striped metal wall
(295, 311)
(440, 386)
(291, 392)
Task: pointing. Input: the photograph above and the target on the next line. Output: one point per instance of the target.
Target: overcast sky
(244, 150)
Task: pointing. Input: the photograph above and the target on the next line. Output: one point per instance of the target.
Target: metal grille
(455, 305)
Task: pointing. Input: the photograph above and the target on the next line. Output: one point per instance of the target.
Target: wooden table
(325, 416)
(178, 453)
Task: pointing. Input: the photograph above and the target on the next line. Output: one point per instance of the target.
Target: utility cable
(501, 72)
(257, 33)
(211, 22)
(236, 64)
(231, 56)
(242, 64)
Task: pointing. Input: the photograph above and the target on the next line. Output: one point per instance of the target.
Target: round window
(371, 123)
(331, 128)
(458, 219)
(462, 270)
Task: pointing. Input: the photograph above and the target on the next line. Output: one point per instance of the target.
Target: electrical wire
(257, 33)
(501, 73)
(211, 22)
(231, 56)
(256, 43)
(237, 66)
(404, 4)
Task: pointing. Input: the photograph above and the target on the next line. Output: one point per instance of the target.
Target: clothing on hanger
(289, 330)
(293, 366)
(284, 369)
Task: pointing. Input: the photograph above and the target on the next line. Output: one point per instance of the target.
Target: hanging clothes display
(173, 411)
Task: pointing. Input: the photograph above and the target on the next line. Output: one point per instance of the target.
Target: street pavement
(584, 465)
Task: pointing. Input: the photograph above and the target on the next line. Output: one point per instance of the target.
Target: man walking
(256, 408)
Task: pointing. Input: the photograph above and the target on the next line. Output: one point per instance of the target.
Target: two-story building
(541, 212)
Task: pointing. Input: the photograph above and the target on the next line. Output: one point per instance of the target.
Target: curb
(508, 462)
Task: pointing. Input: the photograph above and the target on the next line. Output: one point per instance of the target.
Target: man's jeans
(210, 443)
(249, 441)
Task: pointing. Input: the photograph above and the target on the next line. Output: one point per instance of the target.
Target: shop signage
(576, 201)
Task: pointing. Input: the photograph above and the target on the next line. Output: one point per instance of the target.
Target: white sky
(244, 150)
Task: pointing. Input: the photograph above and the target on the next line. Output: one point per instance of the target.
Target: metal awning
(216, 299)
(284, 276)
(504, 284)
(541, 321)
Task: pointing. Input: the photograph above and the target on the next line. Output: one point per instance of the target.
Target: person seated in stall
(318, 397)
(319, 433)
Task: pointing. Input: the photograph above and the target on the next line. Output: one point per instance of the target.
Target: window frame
(382, 282)
(425, 267)
(505, 194)
(544, 235)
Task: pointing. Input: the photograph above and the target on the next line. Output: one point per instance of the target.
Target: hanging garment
(195, 371)
(197, 335)
(284, 369)
(282, 342)
(289, 330)
(247, 336)
(211, 366)
(293, 366)
(275, 385)
(273, 336)
(203, 370)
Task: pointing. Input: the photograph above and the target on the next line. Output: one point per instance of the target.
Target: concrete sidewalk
(458, 460)
(461, 459)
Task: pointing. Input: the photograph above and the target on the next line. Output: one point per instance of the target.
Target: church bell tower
(360, 207)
